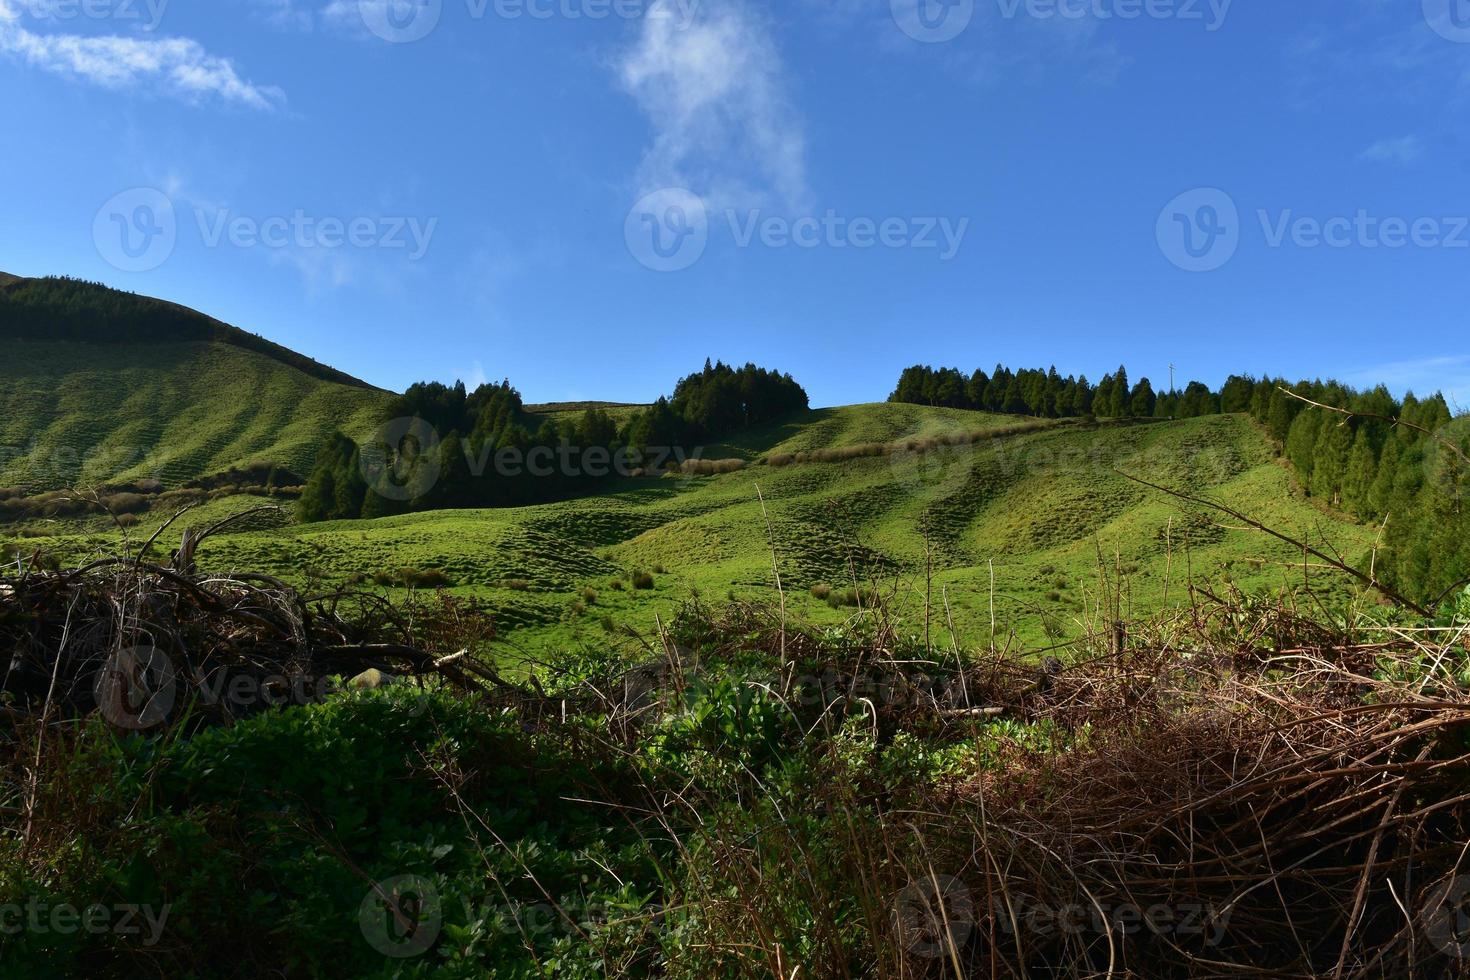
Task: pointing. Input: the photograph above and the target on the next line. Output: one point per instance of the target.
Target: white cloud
(344, 15)
(285, 15)
(1401, 151)
(714, 89)
(177, 67)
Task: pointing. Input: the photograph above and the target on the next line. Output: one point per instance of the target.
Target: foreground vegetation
(1246, 786)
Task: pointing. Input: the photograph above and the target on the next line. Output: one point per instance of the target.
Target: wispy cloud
(1000, 44)
(286, 15)
(714, 90)
(1376, 53)
(344, 17)
(1404, 151)
(176, 67)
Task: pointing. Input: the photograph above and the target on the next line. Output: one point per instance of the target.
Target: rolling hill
(1049, 511)
(101, 386)
(906, 499)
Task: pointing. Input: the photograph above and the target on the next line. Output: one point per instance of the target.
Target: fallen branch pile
(148, 643)
(1303, 813)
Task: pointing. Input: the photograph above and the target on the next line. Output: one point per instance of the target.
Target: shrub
(429, 578)
(412, 578)
(852, 598)
(126, 503)
(589, 596)
(821, 591)
(642, 580)
(710, 467)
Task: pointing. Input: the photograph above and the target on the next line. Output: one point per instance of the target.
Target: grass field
(80, 414)
(1050, 510)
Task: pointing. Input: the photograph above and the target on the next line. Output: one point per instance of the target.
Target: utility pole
(1171, 379)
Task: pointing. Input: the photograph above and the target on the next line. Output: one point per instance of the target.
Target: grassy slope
(1041, 506)
(81, 413)
(854, 425)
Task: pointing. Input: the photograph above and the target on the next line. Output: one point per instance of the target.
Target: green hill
(98, 385)
(1050, 509)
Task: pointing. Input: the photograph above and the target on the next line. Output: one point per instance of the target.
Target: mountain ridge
(100, 386)
(56, 308)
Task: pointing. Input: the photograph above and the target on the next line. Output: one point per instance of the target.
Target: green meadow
(1050, 516)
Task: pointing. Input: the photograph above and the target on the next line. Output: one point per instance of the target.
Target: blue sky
(591, 196)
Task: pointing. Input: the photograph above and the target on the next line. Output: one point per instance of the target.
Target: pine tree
(1357, 483)
(1142, 400)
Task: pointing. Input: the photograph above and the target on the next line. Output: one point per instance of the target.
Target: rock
(370, 680)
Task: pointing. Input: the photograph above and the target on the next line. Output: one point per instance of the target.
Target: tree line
(1394, 463)
(484, 449)
(1046, 394)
